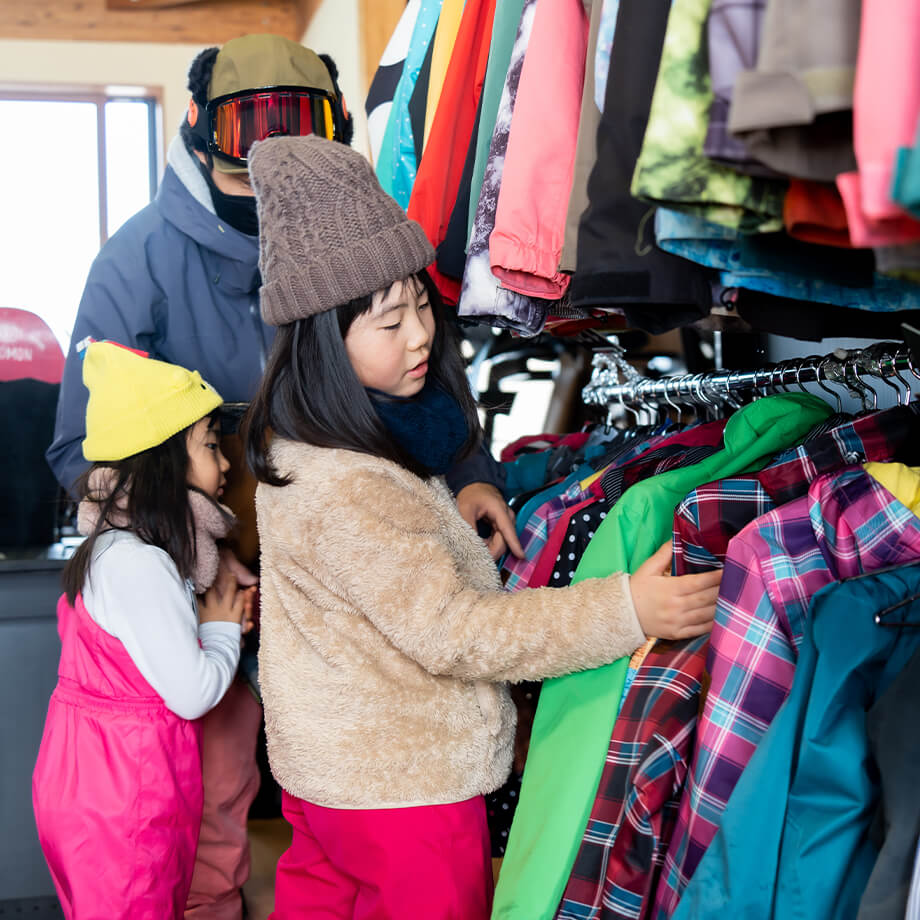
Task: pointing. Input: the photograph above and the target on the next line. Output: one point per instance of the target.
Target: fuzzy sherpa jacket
(387, 640)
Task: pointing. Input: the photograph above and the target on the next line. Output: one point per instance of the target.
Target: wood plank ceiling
(195, 22)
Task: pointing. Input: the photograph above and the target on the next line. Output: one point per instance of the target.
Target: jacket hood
(184, 201)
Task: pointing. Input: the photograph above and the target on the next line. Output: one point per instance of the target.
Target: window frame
(99, 95)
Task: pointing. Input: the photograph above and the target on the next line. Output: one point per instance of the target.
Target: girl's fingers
(691, 584)
(699, 615)
(704, 599)
(692, 631)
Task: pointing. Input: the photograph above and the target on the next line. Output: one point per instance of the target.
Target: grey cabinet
(29, 653)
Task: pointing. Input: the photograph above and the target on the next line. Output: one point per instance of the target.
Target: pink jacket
(117, 786)
(526, 245)
(886, 105)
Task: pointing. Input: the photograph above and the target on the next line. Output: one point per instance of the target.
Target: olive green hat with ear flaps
(254, 61)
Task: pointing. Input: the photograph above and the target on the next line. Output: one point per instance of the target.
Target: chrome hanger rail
(615, 381)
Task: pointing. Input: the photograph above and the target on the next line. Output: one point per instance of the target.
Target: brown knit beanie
(328, 233)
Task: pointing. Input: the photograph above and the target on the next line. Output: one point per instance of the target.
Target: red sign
(28, 348)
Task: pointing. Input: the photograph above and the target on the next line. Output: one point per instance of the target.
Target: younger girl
(117, 787)
(387, 641)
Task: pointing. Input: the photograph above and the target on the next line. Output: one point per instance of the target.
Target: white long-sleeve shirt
(134, 593)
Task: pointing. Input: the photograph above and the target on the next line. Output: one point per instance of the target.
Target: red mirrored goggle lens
(238, 122)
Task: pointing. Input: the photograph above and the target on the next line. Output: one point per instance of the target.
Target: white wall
(335, 30)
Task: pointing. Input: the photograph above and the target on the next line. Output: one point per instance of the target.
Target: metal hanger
(863, 387)
(675, 406)
(882, 617)
(827, 389)
(904, 380)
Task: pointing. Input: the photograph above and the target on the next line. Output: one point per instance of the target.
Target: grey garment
(898, 260)
(175, 281)
(733, 29)
(482, 298)
(794, 111)
(585, 148)
(895, 745)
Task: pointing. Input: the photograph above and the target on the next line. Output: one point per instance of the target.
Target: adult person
(180, 281)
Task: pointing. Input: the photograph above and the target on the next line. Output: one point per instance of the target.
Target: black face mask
(237, 210)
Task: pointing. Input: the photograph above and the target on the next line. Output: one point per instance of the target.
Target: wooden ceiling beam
(194, 22)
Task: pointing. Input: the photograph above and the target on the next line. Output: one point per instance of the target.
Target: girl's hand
(222, 602)
(249, 609)
(673, 607)
(482, 501)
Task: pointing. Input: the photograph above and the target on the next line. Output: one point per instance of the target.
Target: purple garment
(734, 40)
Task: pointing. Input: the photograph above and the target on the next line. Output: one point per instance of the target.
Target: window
(74, 165)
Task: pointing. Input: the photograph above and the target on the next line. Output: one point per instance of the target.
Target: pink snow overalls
(117, 787)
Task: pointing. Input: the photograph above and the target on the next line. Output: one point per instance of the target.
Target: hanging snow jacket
(526, 243)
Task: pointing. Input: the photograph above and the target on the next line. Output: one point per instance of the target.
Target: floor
(269, 838)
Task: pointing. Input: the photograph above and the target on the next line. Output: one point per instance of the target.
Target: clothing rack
(616, 382)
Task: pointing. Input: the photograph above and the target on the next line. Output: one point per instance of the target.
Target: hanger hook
(734, 402)
(644, 399)
(702, 396)
(776, 372)
(673, 405)
(818, 371)
(897, 373)
(878, 371)
(863, 386)
(626, 408)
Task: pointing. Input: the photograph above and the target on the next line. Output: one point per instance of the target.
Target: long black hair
(148, 496)
(310, 393)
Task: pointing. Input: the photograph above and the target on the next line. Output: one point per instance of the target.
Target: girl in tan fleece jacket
(387, 641)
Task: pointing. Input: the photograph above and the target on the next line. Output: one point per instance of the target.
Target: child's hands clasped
(223, 601)
(248, 582)
(671, 607)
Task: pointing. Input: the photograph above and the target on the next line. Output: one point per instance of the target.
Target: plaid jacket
(846, 524)
(636, 805)
(711, 515)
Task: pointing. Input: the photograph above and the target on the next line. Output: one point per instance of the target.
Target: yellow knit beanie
(136, 402)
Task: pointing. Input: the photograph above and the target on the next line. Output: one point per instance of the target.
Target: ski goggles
(236, 121)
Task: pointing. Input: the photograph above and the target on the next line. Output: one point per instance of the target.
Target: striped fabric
(638, 795)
